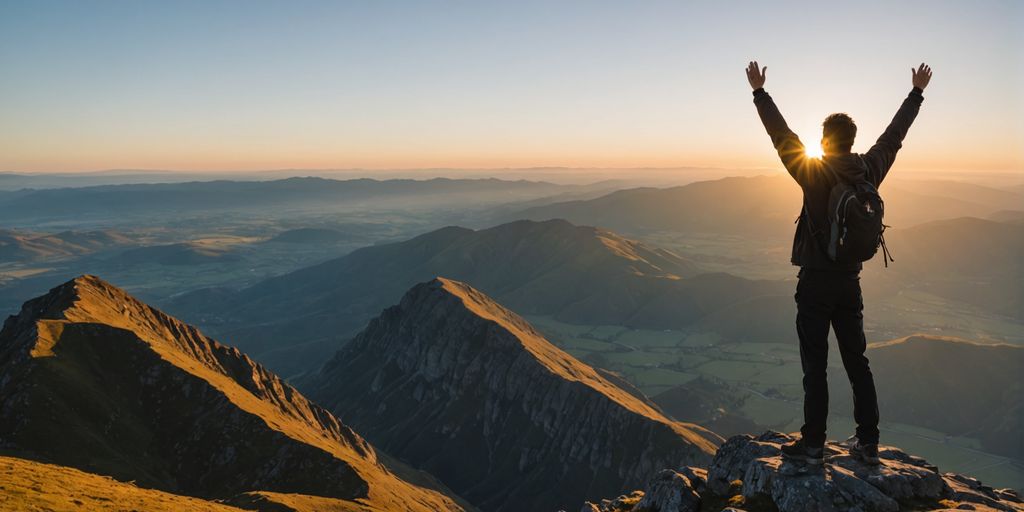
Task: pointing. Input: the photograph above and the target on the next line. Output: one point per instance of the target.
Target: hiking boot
(798, 450)
(866, 453)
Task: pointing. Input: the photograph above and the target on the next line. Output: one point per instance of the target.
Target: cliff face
(96, 380)
(467, 390)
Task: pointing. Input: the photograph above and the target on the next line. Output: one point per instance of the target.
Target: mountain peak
(53, 304)
(466, 389)
(85, 298)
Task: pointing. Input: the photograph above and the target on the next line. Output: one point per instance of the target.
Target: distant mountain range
(96, 380)
(591, 178)
(764, 206)
(70, 204)
(576, 274)
(458, 385)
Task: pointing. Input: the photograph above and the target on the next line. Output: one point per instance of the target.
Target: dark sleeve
(790, 149)
(882, 155)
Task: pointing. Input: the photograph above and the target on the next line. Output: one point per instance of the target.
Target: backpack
(855, 230)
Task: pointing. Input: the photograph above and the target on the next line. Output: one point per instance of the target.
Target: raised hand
(755, 75)
(920, 76)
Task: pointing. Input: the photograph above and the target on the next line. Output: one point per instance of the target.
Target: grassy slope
(31, 486)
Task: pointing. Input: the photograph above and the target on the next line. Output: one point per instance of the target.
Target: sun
(813, 151)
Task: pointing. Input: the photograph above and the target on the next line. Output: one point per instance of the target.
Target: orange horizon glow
(244, 162)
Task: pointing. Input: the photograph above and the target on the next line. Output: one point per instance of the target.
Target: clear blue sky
(379, 84)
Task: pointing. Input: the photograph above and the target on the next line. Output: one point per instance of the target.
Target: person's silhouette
(828, 293)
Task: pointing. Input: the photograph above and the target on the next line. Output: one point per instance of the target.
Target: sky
(377, 84)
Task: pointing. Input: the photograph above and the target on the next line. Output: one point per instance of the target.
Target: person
(829, 293)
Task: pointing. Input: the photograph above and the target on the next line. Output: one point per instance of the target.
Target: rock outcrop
(901, 481)
(668, 491)
(465, 389)
(749, 474)
(96, 380)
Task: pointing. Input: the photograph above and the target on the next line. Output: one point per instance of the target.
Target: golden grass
(33, 486)
(263, 500)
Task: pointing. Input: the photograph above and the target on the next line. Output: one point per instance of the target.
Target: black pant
(823, 298)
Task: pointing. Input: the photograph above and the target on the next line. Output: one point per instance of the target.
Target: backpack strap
(886, 255)
(805, 213)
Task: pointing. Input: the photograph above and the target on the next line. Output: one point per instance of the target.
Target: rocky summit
(750, 474)
(463, 388)
(95, 380)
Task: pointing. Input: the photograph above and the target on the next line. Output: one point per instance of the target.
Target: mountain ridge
(448, 372)
(97, 380)
(218, 195)
(760, 205)
(576, 274)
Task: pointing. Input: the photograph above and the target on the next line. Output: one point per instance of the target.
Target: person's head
(837, 134)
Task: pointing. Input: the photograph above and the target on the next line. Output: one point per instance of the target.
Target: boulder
(671, 491)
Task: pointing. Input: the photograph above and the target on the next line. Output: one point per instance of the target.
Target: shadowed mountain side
(96, 380)
(762, 205)
(966, 259)
(950, 385)
(709, 403)
(728, 205)
(469, 391)
(576, 274)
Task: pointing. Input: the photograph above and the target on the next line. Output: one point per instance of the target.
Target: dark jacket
(817, 176)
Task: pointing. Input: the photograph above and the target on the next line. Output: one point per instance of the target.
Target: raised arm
(788, 145)
(882, 155)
